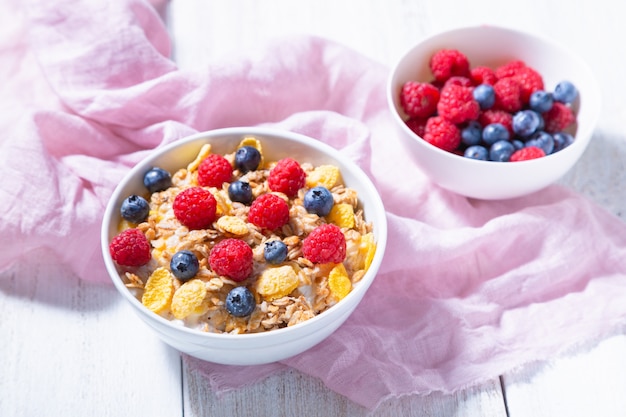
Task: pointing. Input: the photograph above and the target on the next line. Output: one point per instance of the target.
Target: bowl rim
(357, 292)
(582, 138)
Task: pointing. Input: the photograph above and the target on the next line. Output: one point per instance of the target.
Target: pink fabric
(467, 290)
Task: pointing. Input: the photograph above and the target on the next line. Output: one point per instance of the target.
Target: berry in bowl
(493, 113)
(244, 245)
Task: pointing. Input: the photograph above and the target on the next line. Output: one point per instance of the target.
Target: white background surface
(70, 348)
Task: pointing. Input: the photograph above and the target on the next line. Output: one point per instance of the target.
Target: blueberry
(274, 252)
(517, 144)
(485, 95)
(541, 101)
(542, 140)
(565, 92)
(495, 132)
(247, 158)
(318, 200)
(157, 179)
(472, 133)
(135, 209)
(562, 140)
(240, 192)
(501, 151)
(184, 265)
(527, 122)
(240, 302)
(476, 152)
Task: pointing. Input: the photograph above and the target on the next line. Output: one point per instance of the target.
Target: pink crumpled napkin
(467, 290)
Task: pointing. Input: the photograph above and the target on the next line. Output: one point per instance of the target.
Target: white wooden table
(70, 348)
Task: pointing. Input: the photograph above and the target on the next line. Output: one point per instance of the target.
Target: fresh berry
(524, 154)
(472, 133)
(558, 118)
(508, 95)
(497, 116)
(318, 200)
(542, 140)
(518, 144)
(562, 140)
(274, 252)
(484, 94)
(232, 258)
(184, 265)
(565, 92)
(527, 122)
(529, 80)
(541, 101)
(483, 75)
(157, 179)
(241, 192)
(476, 152)
(509, 69)
(458, 80)
(442, 133)
(501, 151)
(446, 63)
(214, 170)
(195, 208)
(495, 132)
(240, 302)
(419, 99)
(247, 158)
(325, 244)
(135, 209)
(457, 104)
(269, 211)
(130, 248)
(286, 177)
(417, 125)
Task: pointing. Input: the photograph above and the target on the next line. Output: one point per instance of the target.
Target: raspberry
(446, 63)
(195, 207)
(325, 244)
(417, 125)
(508, 95)
(442, 133)
(459, 80)
(483, 75)
(287, 177)
(558, 118)
(509, 69)
(419, 99)
(497, 116)
(231, 258)
(269, 211)
(130, 248)
(457, 104)
(530, 81)
(214, 170)
(524, 154)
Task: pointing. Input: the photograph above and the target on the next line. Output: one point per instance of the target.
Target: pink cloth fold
(467, 290)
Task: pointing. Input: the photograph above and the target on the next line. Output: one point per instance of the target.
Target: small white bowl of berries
(244, 246)
(493, 113)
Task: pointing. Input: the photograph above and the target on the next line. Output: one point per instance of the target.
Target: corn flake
(367, 248)
(233, 225)
(158, 291)
(202, 154)
(338, 281)
(277, 282)
(342, 215)
(189, 299)
(324, 175)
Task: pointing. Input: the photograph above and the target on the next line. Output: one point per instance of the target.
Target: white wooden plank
(590, 383)
(71, 348)
(294, 394)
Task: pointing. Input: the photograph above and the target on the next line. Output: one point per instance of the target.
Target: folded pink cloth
(467, 290)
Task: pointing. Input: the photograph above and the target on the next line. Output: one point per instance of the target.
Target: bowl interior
(276, 145)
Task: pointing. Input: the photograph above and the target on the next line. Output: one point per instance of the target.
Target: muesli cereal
(226, 237)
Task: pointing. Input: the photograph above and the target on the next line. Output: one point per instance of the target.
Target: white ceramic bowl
(274, 345)
(493, 46)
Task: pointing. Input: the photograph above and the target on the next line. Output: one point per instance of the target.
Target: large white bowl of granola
(244, 246)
